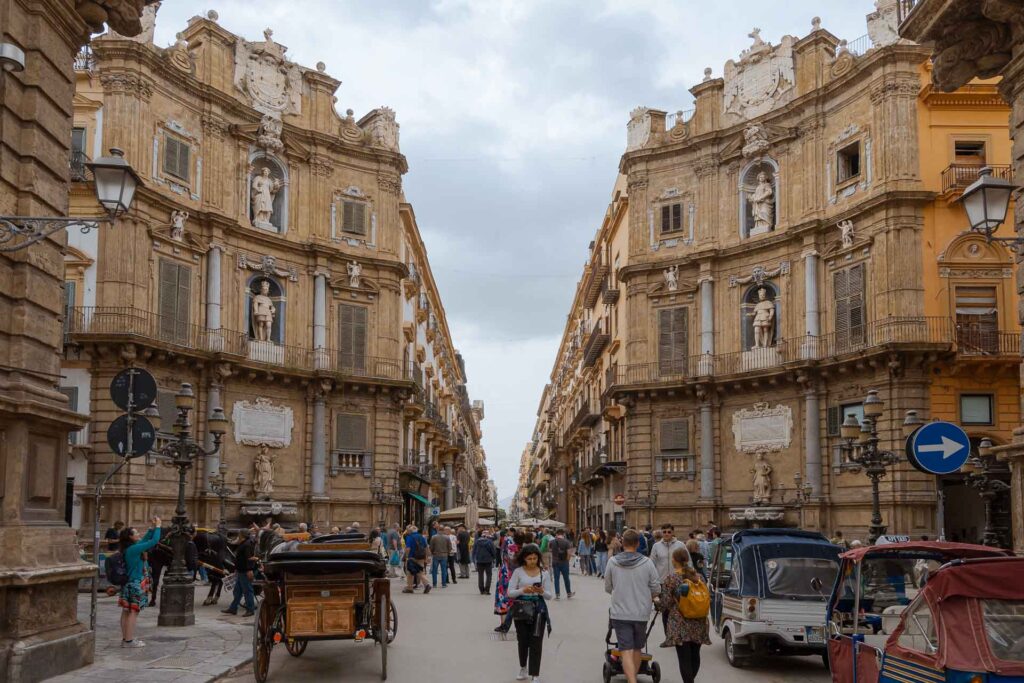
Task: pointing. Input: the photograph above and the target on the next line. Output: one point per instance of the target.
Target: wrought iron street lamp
(176, 608)
(218, 486)
(115, 185)
(979, 470)
(863, 454)
(987, 201)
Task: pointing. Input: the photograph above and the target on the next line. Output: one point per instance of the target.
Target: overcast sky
(513, 116)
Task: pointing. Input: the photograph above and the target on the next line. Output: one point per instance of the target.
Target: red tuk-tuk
(927, 612)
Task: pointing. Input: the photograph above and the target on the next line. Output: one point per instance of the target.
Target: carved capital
(132, 84)
(389, 184)
(706, 166)
(321, 166)
(215, 126)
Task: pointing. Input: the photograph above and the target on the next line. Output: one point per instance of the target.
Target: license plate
(815, 634)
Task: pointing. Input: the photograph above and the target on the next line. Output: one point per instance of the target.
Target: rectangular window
(352, 337)
(672, 341)
(970, 152)
(174, 300)
(848, 286)
(70, 287)
(837, 415)
(176, 158)
(168, 413)
(671, 217)
(675, 436)
(350, 434)
(976, 409)
(977, 319)
(848, 162)
(78, 140)
(353, 218)
(1004, 627)
(72, 394)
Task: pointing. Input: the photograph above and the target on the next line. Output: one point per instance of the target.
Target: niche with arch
(267, 176)
(751, 298)
(275, 293)
(759, 197)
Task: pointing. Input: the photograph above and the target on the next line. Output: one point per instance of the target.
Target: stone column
(213, 287)
(811, 312)
(707, 451)
(318, 465)
(449, 486)
(320, 317)
(213, 400)
(812, 440)
(707, 324)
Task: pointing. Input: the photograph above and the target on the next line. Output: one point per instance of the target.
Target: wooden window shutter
(841, 291)
(350, 434)
(352, 336)
(70, 286)
(176, 158)
(671, 217)
(174, 300)
(675, 435)
(832, 419)
(72, 394)
(672, 341)
(666, 218)
(857, 312)
(677, 217)
(353, 218)
(168, 413)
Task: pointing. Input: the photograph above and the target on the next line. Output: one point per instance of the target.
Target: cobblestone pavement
(216, 645)
(447, 637)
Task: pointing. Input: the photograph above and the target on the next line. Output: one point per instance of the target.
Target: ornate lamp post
(116, 182)
(219, 488)
(978, 471)
(863, 454)
(986, 202)
(176, 607)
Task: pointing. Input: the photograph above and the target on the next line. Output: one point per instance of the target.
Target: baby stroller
(613, 657)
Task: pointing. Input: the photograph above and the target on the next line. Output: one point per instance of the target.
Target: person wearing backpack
(129, 567)
(686, 600)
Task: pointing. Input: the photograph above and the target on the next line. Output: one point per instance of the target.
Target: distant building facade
(272, 262)
(766, 259)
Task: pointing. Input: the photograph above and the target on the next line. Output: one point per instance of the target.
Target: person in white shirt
(530, 584)
(661, 555)
(454, 556)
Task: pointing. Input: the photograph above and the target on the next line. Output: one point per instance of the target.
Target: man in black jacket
(462, 536)
(244, 566)
(484, 557)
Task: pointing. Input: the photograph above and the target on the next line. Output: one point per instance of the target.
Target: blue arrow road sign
(940, 447)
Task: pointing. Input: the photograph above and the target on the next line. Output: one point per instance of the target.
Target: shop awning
(417, 497)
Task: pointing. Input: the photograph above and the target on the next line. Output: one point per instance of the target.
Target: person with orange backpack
(686, 600)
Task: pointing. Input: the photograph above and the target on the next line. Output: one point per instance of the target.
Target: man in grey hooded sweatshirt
(633, 582)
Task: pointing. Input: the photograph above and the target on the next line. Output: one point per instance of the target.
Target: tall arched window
(749, 311)
(265, 309)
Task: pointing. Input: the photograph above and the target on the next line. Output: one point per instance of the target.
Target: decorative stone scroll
(268, 265)
(260, 423)
(762, 429)
(759, 274)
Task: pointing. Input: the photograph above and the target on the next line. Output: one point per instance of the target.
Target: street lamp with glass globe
(176, 606)
(978, 471)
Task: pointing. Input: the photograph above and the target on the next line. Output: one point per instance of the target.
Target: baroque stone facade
(766, 259)
(271, 261)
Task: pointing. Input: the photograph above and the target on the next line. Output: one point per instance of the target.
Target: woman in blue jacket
(133, 597)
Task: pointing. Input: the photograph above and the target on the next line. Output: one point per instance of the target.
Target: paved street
(447, 636)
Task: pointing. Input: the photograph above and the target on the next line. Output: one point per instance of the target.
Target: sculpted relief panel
(762, 428)
(273, 84)
(260, 423)
(761, 80)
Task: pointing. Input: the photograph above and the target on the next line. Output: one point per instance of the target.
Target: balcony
(593, 283)
(586, 417)
(609, 294)
(904, 8)
(119, 324)
(674, 467)
(84, 60)
(596, 342)
(957, 177)
(79, 170)
(923, 333)
(351, 462)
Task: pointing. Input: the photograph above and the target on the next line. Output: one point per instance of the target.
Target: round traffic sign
(143, 436)
(939, 448)
(619, 499)
(136, 384)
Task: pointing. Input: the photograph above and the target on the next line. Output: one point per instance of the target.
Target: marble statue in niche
(263, 474)
(264, 188)
(763, 316)
(762, 472)
(672, 278)
(762, 204)
(846, 233)
(355, 272)
(263, 311)
(178, 219)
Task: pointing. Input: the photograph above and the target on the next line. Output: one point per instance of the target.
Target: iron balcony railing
(79, 170)
(907, 331)
(99, 322)
(84, 60)
(956, 177)
(904, 8)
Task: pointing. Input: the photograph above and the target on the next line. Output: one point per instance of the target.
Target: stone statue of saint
(263, 311)
(762, 203)
(264, 189)
(672, 278)
(263, 478)
(762, 472)
(764, 320)
(355, 271)
(178, 219)
(846, 233)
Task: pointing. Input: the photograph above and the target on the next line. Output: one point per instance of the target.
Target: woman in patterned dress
(685, 635)
(134, 595)
(509, 550)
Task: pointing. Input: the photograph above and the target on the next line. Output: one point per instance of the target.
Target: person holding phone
(529, 587)
(134, 595)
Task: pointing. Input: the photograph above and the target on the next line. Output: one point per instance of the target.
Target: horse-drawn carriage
(334, 588)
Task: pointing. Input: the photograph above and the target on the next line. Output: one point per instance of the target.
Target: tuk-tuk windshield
(792, 576)
(1004, 626)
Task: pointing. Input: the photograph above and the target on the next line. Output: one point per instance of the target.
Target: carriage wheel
(296, 646)
(385, 636)
(391, 627)
(262, 642)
